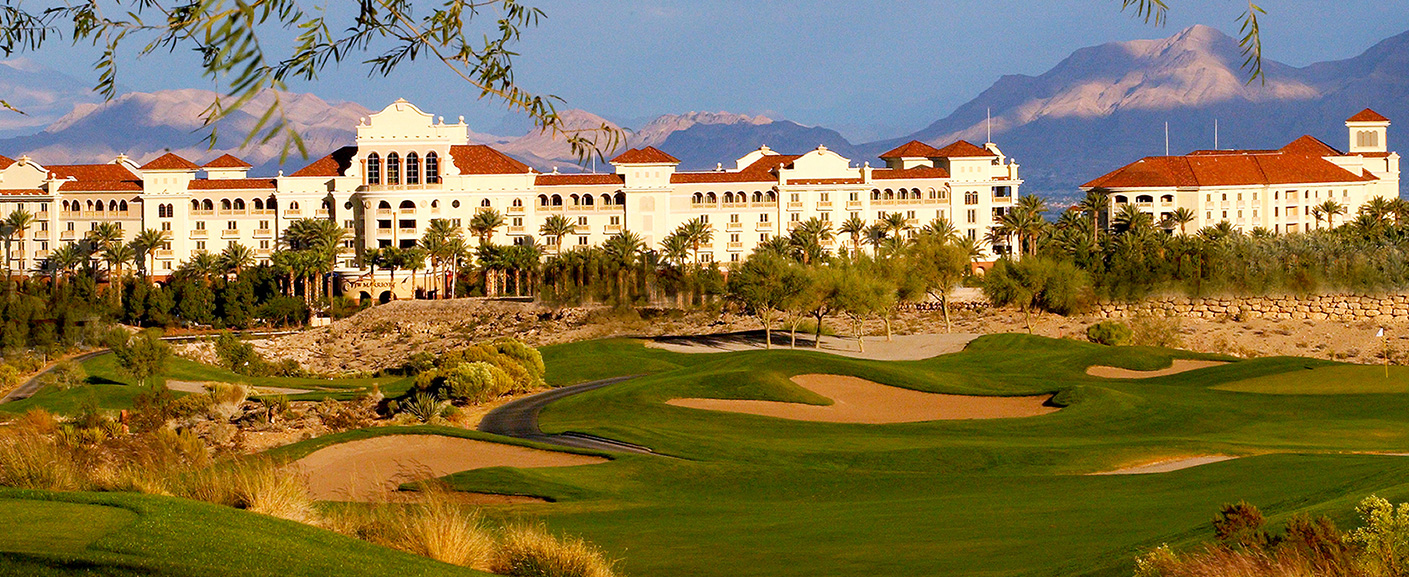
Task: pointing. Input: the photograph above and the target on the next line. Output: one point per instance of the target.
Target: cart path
(519, 419)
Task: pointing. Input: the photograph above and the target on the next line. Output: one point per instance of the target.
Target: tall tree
(764, 285)
(484, 223)
(14, 225)
(146, 244)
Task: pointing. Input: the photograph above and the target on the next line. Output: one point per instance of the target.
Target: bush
(237, 355)
(68, 374)
(1152, 330)
(424, 407)
(531, 551)
(1109, 333)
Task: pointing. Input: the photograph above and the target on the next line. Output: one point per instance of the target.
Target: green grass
(129, 534)
(750, 495)
(111, 389)
(1328, 380)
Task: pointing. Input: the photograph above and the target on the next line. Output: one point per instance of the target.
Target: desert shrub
(527, 550)
(419, 363)
(423, 407)
(9, 376)
(37, 420)
(256, 485)
(1155, 330)
(237, 355)
(474, 382)
(1109, 333)
(67, 374)
(528, 357)
(439, 529)
(1240, 525)
(29, 460)
(339, 416)
(225, 400)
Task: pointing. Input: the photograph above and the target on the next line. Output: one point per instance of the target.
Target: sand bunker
(360, 470)
(1179, 366)
(1168, 466)
(862, 401)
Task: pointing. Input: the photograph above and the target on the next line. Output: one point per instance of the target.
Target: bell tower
(1369, 132)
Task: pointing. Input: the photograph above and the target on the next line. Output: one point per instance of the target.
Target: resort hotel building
(1274, 189)
(407, 168)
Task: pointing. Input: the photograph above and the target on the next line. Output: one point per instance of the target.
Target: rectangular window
(582, 221)
(230, 225)
(826, 216)
(200, 225)
(734, 237)
(825, 196)
(384, 224)
(733, 218)
(795, 197)
(973, 216)
(796, 217)
(264, 224)
(232, 243)
(854, 197)
(264, 244)
(200, 245)
(763, 217)
(704, 218)
(909, 214)
(734, 257)
(164, 226)
(44, 225)
(763, 237)
(616, 220)
(345, 224)
(518, 221)
(582, 240)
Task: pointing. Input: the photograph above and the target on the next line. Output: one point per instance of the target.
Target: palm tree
(1131, 219)
(808, 238)
(557, 227)
(1377, 207)
(623, 250)
(117, 256)
(1332, 208)
(1319, 215)
(236, 258)
(855, 228)
(145, 244)
(940, 229)
(1097, 201)
(484, 223)
(896, 224)
(874, 234)
(14, 225)
(64, 259)
(1400, 209)
(698, 233)
(972, 248)
(105, 234)
(439, 242)
(413, 259)
(1181, 217)
(675, 249)
(390, 258)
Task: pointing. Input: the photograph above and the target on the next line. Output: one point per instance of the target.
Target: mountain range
(1098, 109)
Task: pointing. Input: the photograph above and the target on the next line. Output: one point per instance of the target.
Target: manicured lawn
(111, 389)
(1329, 380)
(750, 495)
(130, 534)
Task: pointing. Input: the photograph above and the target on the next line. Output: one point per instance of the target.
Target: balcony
(68, 235)
(230, 233)
(383, 233)
(611, 228)
(395, 187)
(734, 226)
(912, 222)
(17, 254)
(794, 206)
(582, 229)
(736, 246)
(202, 213)
(265, 212)
(792, 224)
(41, 254)
(406, 232)
(385, 212)
(824, 205)
(40, 234)
(165, 254)
(263, 252)
(853, 205)
(516, 210)
(321, 213)
(516, 230)
(41, 215)
(764, 226)
(263, 233)
(615, 207)
(233, 213)
(407, 211)
(765, 204)
(200, 233)
(550, 208)
(293, 212)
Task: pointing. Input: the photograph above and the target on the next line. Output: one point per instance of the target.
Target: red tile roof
(579, 179)
(762, 170)
(1234, 169)
(227, 161)
(5, 162)
(1374, 154)
(21, 192)
(95, 177)
(170, 161)
(917, 172)
(481, 159)
(335, 164)
(913, 149)
(964, 149)
(233, 184)
(1367, 115)
(647, 155)
(1310, 146)
(822, 181)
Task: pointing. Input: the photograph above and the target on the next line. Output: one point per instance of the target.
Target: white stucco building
(1273, 189)
(407, 168)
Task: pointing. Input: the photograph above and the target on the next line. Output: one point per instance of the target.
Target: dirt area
(1168, 465)
(899, 348)
(372, 468)
(200, 387)
(1179, 366)
(857, 400)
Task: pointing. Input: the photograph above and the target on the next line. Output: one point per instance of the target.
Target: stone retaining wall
(1384, 308)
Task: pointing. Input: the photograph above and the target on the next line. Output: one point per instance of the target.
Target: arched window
(1144, 198)
(620, 198)
(557, 200)
(122, 206)
(271, 204)
(1168, 199)
(195, 205)
(384, 205)
(711, 198)
(327, 204)
(240, 204)
(413, 168)
(575, 200)
(112, 205)
(98, 206)
(587, 200)
(405, 204)
(1121, 200)
(518, 202)
(374, 168)
(888, 195)
(435, 203)
(542, 200)
(771, 196)
(89, 204)
(293, 205)
(875, 194)
(258, 204)
(757, 196)
(224, 204)
(393, 169)
(432, 168)
(606, 199)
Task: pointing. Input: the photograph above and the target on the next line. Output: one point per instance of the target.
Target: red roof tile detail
(95, 177)
(579, 179)
(21, 192)
(647, 155)
(5, 162)
(1236, 169)
(1374, 154)
(481, 159)
(917, 172)
(964, 149)
(913, 149)
(1367, 115)
(335, 164)
(762, 170)
(227, 161)
(823, 181)
(170, 161)
(1310, 146)
(233, 184)
(102, 186)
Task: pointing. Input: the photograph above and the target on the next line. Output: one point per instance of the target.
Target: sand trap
(862, 401)
(199, 387)
(1168, 466)
(360, 470)
(900, 348)
(1179, 366)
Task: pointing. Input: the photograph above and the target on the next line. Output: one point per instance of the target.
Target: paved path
(32, 386)
(519, 419)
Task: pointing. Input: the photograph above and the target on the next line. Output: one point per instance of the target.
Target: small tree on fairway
(764, 285)
(143, 356)
(936, 268)
(860, 295)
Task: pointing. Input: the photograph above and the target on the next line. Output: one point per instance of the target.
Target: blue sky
(868, 69)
